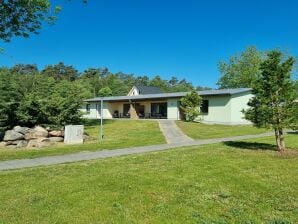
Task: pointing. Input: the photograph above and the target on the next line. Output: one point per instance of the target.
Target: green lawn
(219, 183)
(197, 130)
(117, 134)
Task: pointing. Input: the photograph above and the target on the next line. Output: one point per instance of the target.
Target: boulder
(56, 133)
(6, 143)
(22, 144)
(22, 130)
(11, 146)
(38, 143)
(12, 135)
(56, 139)
(36, 132)
(13, 142)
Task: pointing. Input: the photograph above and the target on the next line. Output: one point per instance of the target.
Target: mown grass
(197, 130)
(209, 184)
(117, 134)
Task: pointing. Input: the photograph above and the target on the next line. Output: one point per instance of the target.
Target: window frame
(204, 108)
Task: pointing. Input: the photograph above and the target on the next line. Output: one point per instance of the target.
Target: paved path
(172, 132)
(83, 156)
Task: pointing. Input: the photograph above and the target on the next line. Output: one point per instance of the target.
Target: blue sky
(185, 38)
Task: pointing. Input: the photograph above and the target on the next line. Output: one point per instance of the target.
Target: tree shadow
(251, 145)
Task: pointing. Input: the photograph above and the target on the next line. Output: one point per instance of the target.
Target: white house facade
(219, 106)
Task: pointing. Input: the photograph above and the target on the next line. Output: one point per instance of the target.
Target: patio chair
(116, 114)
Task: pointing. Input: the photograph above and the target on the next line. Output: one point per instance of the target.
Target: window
(88, 108)
(159, 109)
(204, 106)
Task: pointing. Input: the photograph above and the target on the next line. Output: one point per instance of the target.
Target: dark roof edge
(217, 92)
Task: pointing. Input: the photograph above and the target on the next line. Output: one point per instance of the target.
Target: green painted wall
(238, 103)
(219, 110)
(226, 109)
(173, 110)
(94, 112)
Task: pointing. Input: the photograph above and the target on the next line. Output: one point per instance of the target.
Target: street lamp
(101, 119)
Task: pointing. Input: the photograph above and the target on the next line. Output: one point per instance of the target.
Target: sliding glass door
(159, 110)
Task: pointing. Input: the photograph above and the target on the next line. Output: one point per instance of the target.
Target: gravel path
(84, 156)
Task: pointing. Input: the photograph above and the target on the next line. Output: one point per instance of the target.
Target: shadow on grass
(251, 145)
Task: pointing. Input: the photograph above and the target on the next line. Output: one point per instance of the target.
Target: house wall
(133, 92)
(238, 103)
(173, 109)
(95, 111)
(219, 110)
(226, 109)
(112, 107)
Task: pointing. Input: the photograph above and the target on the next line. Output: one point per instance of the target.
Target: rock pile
(38, 136)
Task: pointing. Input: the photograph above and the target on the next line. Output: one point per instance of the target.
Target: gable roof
(213, 92)
(143, 90)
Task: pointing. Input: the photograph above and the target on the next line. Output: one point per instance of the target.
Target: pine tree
(273, 104)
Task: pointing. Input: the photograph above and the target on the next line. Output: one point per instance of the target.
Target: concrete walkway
(172, 132)
(83, 156)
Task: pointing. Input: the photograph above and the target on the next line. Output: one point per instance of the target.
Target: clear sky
(185, 38)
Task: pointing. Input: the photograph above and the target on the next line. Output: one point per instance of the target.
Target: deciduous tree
(242, 70)
(106, 91)
(190, 105)
(24, 17)
(60, 71)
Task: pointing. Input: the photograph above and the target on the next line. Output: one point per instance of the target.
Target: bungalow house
(222, 106)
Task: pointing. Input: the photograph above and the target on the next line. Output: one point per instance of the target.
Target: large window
(159, 110)
(88, 108)
(205, 107)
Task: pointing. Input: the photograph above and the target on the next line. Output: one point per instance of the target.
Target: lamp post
(101, 119)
